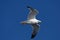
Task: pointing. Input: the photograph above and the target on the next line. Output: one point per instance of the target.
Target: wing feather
(35, 30)
(33, 12)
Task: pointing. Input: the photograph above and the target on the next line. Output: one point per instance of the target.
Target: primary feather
(35, 30)
(32, 14)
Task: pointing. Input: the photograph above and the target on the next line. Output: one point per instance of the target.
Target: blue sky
(14, 11)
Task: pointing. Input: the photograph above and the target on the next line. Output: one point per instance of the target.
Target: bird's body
(33, 21)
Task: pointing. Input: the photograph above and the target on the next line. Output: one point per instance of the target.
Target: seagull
(31, 19)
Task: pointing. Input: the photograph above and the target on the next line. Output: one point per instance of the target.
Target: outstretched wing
(33, 12)
(35, 30)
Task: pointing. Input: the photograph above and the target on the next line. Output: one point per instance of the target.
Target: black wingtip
(28, 6)
(33, 36)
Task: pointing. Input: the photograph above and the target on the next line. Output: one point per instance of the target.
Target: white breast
(33, 20)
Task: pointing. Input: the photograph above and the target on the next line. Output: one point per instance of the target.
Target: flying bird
(31, 19)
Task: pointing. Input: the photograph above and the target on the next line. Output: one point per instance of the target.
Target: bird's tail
(23, 22)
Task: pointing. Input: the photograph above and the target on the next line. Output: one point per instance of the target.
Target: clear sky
(14, 11)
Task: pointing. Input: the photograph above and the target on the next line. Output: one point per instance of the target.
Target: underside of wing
(33, 12)
(35, 30)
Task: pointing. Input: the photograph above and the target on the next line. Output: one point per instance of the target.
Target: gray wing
(33, 12)
(35, 30)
